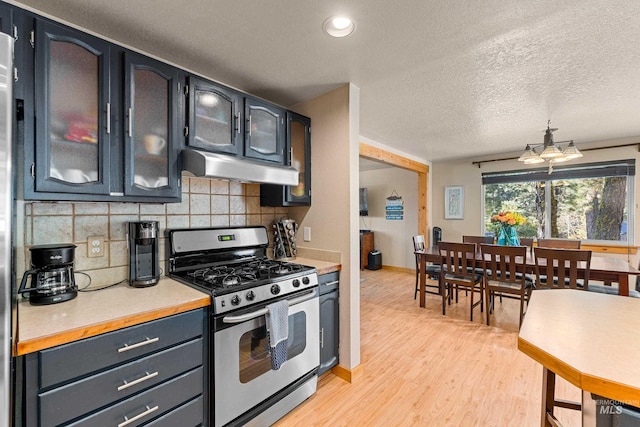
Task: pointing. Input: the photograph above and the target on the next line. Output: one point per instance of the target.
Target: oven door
(242, 364)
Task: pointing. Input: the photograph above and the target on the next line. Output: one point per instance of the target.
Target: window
(587, 201)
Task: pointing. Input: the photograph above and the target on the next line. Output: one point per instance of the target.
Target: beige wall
(463, 172)
(392, 237)
(333, 216)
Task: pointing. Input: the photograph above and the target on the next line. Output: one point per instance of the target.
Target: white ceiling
(438, 79)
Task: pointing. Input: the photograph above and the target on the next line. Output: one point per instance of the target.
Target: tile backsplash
(205, 203)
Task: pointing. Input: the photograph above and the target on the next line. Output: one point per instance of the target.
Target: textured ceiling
(438, 79)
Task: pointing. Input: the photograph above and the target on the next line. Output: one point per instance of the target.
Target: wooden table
(588, 338)
(602, 268)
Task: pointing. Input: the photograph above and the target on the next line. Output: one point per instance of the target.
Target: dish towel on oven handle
(278, 327)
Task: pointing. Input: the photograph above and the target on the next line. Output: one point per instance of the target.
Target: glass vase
(508, 236)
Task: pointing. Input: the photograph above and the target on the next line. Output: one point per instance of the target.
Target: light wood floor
(425, 369)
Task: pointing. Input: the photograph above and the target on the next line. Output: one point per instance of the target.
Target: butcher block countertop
(95, 313)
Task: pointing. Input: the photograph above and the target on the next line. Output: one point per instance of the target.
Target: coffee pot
(51, 273)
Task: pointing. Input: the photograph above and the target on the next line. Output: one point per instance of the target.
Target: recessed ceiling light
(339, 26)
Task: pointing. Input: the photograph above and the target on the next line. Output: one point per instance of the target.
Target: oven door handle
(248, 316)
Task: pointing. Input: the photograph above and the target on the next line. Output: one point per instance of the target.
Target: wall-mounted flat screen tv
(364, 203)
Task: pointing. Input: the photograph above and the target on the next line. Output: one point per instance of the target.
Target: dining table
(589, 339)
(603, 268)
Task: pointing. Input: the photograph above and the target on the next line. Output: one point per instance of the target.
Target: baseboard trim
(401, 269)
(349, 375)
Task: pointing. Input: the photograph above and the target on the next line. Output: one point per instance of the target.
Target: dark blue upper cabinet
(299, 149)
(107, 121)
(215, 117)
(72, 106)
(265, 130)
(152, 127)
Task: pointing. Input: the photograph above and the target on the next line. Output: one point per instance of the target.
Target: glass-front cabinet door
(299, 144)
(265, 131)
(215, 122)
(72, 111)
(151, 124)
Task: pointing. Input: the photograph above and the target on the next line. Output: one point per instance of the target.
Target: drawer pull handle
(128, 347)
(148, 376)
(128, 421)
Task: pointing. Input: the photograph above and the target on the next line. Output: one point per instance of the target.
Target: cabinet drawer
(69, 361)
(329, 282)
(72, 400)
(187, 415)
(164, 397)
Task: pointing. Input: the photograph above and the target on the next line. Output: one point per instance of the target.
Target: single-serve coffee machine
(144, 262)
(51, 273)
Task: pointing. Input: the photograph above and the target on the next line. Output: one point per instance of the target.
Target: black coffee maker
(144, 262)
(51, 273)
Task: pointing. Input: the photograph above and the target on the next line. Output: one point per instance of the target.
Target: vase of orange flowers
(506, 223)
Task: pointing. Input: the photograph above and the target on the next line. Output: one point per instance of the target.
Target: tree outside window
(585, 202)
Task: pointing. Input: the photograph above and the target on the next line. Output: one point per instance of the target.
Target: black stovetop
(232, 277)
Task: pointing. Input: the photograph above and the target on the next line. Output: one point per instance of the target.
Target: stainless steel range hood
(212, 165)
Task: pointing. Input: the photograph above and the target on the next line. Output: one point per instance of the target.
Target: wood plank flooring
(425, 369)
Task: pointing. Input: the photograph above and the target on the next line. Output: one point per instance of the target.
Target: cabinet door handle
(128, 347)
(128, 421)
(321, 337)
(130, 123)
(335, 282)
(148, 376)
(108, 117)
(249, 124)
(238, 123)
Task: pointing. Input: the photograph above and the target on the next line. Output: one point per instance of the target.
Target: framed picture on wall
(454, 202)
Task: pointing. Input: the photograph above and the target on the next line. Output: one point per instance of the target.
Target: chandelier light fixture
(554, 152)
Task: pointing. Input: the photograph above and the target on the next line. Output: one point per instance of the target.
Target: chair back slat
(559, 268)
(559, 243)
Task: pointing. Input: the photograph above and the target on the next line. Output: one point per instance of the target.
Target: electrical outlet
(307, 234)
(95, 246)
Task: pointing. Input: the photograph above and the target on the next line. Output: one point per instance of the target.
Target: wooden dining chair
(559, 269)
(528, 242)
(457, 270)
(559, 243)
(478, 239)
(562, 268)
(432, 271)
(505, 275)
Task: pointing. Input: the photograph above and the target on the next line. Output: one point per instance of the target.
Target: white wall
(333, 215)
(463, 172)
(392, 237)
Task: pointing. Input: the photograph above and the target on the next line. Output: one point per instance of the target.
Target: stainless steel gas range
(231, 264)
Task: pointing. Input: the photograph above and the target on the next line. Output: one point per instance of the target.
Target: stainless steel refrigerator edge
(6, 248)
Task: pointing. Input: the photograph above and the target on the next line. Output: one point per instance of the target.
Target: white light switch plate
(307, 234)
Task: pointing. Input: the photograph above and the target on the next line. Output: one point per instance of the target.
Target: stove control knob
(305, 280)
(235, 300)
(275, 289)
(296, 283)
(250, 296)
